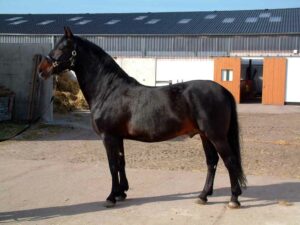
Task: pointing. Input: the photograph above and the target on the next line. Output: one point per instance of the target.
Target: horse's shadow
(259, 196)
(264, 195)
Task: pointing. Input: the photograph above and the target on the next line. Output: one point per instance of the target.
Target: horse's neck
(98, 75)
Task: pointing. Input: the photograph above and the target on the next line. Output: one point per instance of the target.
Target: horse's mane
(91, 46)
(109, 64)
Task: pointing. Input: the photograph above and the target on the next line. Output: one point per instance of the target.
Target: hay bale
(80, 102)
(72, 97)
(68, 96)
(65, 102)
(62, 103)
(65, 84)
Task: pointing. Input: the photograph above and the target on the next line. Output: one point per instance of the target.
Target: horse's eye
(61, 47)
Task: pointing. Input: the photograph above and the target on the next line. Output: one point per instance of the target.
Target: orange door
(274, 78)
(228, 74)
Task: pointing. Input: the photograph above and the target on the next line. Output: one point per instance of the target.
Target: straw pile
(68, 96)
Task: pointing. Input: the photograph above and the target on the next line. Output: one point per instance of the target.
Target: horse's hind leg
(212, 159)
(223, 148)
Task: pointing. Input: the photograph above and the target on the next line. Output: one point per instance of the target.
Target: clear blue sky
(109, 6)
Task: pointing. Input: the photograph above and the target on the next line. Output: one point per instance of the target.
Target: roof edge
(158, 12)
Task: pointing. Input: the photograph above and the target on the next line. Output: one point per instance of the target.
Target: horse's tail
(234, 142)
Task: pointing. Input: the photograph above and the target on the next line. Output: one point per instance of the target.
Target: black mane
(97, 71)
(110, 67)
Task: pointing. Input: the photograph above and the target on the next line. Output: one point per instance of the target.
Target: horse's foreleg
(212, 159)
(123, 179)
(112, 146)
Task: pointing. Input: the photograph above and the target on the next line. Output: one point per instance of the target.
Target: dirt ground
(270, 145)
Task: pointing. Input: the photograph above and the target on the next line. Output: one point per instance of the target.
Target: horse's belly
(161, 131)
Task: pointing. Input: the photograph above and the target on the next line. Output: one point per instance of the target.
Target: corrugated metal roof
(273, 21)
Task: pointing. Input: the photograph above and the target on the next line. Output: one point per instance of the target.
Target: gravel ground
(270, 145)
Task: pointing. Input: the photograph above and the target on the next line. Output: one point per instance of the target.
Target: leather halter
(57, 62)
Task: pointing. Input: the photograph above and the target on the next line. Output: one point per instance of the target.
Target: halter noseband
(57, 62)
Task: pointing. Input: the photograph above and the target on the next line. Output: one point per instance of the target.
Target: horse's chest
(113, 124)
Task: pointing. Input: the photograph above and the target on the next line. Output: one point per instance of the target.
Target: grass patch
(9, 129)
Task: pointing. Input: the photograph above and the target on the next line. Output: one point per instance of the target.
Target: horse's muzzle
(45, 69)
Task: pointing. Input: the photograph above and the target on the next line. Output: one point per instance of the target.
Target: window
(264, 15)
(14, 18)
(210, 16)
(83, 22)
(140, 17)
(275, 19)
(227, 75)
(112, 22)
(228, 20)
(19, 22)
(251, 20)
(153, 21)
(46, 22)
(75, 18)
(184, 21)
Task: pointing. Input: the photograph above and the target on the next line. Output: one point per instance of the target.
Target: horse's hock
(6, 104)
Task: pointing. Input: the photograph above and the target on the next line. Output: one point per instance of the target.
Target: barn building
(253, 53)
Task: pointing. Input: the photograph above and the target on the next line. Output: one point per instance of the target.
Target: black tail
(234, 142)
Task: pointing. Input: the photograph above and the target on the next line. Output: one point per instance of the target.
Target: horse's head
(61, 57)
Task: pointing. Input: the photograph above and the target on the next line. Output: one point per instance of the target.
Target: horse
(122, 108)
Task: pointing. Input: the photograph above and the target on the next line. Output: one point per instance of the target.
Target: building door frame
(227, 72)
(274, 81)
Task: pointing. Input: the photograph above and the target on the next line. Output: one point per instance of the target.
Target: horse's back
(204, 94)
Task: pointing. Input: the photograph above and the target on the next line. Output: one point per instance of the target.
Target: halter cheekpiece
(56, 63)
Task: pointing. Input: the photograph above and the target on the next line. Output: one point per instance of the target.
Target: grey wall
(179, 46)
(16, 73)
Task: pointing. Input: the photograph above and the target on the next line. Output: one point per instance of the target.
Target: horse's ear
(68, 32)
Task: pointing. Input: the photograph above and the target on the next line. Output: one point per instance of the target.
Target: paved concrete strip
(46, 192)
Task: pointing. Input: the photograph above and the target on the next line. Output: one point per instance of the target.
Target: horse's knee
(212, 162)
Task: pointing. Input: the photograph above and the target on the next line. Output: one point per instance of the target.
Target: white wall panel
(180, 70)
(143, 70)
(293, 80)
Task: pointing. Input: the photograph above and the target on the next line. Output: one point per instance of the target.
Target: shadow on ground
(260, 196)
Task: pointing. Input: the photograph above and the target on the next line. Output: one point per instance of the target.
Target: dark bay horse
(121, 108)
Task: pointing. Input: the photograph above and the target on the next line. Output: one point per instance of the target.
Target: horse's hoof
(121, 197)
(234, 205)
(109, 204)
(202, 201)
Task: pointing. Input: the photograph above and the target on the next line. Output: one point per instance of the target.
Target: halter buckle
(55, 64)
